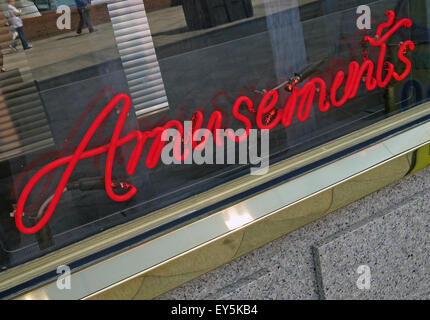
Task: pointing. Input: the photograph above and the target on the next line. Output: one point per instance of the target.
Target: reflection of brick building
(151, 5)
(46, 25)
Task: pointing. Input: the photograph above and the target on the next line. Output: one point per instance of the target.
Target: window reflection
(172, 58)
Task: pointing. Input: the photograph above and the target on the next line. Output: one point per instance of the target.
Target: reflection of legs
(21, 34)
(1, 62)
(14, 43)
(84, 18)
(87, 19)
(81, 21)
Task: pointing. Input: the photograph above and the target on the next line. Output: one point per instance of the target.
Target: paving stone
(393, 245)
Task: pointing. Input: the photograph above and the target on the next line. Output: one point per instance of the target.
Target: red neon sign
(302, 98)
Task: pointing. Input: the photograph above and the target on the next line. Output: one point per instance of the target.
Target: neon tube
(304, 97)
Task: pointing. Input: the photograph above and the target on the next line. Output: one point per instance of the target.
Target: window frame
(202, 217)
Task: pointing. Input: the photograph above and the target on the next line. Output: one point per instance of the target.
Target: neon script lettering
(299, 103)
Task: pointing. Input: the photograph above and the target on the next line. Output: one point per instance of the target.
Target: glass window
(312, 68)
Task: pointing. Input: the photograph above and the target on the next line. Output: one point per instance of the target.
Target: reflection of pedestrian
(84, 15)
(16, 23)
(2, 23)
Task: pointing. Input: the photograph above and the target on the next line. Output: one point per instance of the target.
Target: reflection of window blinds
(23, 124)
(138, 56)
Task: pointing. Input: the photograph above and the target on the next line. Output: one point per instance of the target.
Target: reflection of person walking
(16, 23)
(84, 15)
